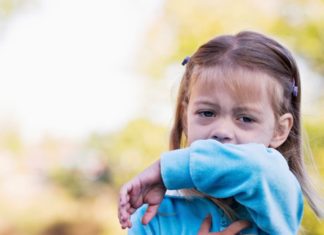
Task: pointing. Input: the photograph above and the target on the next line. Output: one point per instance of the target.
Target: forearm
(257, 177)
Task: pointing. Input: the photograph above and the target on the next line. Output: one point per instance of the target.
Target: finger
(126, 223)
(124, 194)
(123, 209)
(205, 226)
(150, 213)
(131, 210)
(129, 224)
(124, 214)
(124, 205)
(236, 227)
(124, 220)
(136, 195)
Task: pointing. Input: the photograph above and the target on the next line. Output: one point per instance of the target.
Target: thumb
(205, 226)
(150, 213)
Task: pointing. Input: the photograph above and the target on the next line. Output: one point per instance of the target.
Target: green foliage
(133, 148)
(184, 25)
(315, 131)
(84, 180)
(311, 225)
(72, 181)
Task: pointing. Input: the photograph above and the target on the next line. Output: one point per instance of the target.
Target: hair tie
(294, 89)
(186, 60)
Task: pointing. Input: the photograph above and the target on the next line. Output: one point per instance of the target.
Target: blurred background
(87, 89)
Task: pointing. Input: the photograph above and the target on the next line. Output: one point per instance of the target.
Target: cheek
(261, 136)
(196, 131)
(191, 132)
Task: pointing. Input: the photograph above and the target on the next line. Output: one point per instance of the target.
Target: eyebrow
(239, 109)
(244, 109)
(206, 102)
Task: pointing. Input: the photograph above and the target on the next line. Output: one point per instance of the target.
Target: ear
(282, 130)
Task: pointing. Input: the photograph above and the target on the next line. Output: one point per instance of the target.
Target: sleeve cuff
(175, 169)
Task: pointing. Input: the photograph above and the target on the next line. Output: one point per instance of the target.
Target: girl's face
(235, 109)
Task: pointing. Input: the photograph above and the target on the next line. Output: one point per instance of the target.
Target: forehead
(242, 84)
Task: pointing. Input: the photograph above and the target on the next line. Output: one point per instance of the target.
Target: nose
(223, 131)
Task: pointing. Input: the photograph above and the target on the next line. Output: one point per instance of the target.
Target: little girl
(235, 147)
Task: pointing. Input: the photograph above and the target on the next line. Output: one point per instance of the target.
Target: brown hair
(254, 52)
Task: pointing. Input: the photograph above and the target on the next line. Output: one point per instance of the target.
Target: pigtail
(178, 132)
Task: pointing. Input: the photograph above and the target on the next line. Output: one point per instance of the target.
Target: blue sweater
(258, 178)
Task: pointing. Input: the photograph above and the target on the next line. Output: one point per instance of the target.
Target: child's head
(235, 105)
(241, 89)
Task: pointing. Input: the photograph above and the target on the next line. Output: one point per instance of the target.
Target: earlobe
(282, 131)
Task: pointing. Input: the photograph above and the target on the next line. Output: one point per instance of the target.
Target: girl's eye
(246, 119)
(206, 114)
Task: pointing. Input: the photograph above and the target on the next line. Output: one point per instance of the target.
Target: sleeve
(257, 177)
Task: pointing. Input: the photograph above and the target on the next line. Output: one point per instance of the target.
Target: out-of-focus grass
(53, 212)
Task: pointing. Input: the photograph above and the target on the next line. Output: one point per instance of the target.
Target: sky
(66, 66)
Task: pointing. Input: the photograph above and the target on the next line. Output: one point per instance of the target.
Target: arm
(145, 188)
(148, 188)
(256, 176)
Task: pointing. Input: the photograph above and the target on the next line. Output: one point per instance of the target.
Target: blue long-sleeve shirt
(258, 178)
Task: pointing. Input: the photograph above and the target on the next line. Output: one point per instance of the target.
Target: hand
(147, 188)
(233, 229)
